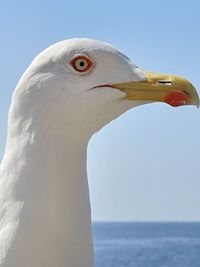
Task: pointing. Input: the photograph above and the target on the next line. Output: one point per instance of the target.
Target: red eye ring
(81, 63)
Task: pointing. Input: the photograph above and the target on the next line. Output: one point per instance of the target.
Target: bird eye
(81, 63)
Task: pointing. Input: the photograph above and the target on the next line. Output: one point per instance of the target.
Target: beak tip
(197, 102)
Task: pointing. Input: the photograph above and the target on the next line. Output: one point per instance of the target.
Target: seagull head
(86, 83)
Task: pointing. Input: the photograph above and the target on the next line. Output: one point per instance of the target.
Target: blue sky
(144, 165)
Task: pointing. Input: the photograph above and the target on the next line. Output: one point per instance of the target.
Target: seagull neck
(49, 187)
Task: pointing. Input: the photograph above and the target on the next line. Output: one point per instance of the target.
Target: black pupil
(82, 64)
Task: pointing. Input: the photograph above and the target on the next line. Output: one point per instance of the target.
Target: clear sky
(146, 164)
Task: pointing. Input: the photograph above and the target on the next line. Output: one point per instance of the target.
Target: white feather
(45, 216)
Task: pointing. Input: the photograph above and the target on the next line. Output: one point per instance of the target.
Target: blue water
(147, 244)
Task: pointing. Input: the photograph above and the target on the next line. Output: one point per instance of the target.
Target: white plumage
(56, 107)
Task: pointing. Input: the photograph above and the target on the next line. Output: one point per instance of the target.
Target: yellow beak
(170, 89)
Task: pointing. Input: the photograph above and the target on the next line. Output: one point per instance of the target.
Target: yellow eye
(81, 63)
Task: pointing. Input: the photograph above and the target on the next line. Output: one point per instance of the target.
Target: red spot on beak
(176, 99)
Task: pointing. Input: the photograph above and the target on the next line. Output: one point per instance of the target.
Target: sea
(147, 244)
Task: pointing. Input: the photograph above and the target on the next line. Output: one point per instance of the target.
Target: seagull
(69, 92)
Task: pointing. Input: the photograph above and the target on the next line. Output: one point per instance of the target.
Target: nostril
(164, 82)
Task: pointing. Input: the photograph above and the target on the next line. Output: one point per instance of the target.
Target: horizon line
(146, 221)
